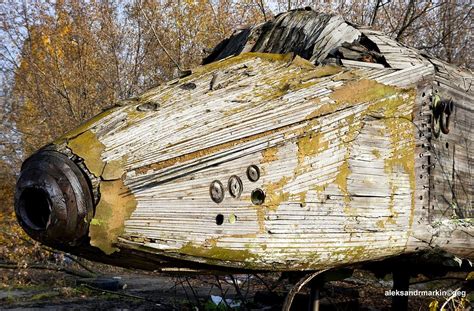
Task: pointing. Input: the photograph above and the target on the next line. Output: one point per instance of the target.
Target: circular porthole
(216, 190)
(253, 173)
(235, 186)
(257, 196)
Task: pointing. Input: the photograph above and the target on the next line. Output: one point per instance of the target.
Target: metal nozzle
(53, 201)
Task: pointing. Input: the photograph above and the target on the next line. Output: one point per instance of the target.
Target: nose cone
(53, 200)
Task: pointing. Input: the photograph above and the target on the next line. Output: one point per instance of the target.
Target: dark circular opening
(219, 219)
(35, 208)
(257, 196)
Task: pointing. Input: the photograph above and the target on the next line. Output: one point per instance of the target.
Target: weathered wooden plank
(349, 169)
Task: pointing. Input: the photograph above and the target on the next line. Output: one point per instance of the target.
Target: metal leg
(314, 297)
(298, 286)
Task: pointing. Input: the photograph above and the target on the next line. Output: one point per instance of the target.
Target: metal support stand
(315, 296)
(298, 286)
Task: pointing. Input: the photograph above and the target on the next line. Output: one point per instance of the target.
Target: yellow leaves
(434, 305)
(470, 276)
(45, 40)
(31, 123)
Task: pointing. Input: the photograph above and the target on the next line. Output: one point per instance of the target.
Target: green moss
(86, 125)
(115, 206)
(89, 147)
(44, 296)
(217, 253)
(225, 63)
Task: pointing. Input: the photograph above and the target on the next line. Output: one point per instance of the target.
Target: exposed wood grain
(348, 163)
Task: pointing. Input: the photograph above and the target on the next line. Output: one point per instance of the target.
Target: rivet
(216, 191)
(253, 173)
(235, 186)
(257, 197)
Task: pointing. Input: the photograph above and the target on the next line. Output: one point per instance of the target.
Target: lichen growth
(322, 110)
(351, 254)
(260, 213)
(298, 76)
(88, 147)
(269, 155)
(341, 182)
(376, 153)
(320, 189)
(355, 93)
(362, 91)
(86, 125)
(310, 145)
(241, 58)
(113, 169)
(302, 198)
(217, 253)
(324, 71)
(344, 169)
(116, 205)
(274, 193)
(347, 75)
(402, 155)
(302, 63)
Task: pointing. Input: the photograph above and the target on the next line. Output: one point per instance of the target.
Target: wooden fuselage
(348, 169)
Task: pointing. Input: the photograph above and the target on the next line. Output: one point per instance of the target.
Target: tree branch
(155, 34)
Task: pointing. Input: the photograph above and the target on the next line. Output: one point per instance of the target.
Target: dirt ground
(134, 290)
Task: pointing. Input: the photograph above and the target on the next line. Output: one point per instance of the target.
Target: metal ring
(258, 196)
(216, 191)
(253, 173)
(235, 186)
